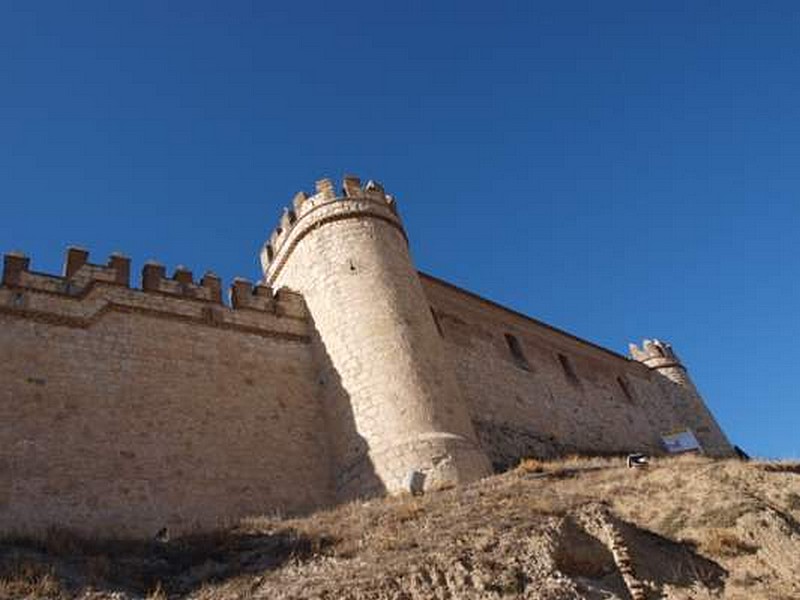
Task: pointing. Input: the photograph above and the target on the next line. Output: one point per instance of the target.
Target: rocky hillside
(583, 528)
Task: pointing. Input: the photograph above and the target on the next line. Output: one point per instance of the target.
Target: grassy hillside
(580, 528)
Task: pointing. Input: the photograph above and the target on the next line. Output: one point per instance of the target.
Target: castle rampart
(124, 410)
(84, 296)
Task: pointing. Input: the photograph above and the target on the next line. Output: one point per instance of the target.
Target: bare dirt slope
(582, 528)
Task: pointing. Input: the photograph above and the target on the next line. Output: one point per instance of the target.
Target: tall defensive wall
(125, 410)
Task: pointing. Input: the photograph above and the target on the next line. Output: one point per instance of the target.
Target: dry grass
(510, 522)
(726, 543)
(793, 501)
(61, 564)
(157, 594)
(27, 579)
(408, 508)
(531, 465)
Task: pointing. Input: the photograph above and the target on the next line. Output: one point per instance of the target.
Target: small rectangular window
(569, 372)
(516, 352)
(623, 384)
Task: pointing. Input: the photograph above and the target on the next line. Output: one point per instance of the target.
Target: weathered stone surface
(612, 405)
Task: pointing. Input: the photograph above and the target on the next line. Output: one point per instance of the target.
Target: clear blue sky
(618, 169)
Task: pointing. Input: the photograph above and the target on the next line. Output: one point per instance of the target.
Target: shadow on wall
(62, 564)
(506, 444)
(354, 474)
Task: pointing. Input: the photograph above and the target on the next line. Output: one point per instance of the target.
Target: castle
(344, 373)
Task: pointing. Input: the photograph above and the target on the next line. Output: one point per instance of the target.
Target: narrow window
(623, 385)
(516, 352)
(436, 322)
(569, 372)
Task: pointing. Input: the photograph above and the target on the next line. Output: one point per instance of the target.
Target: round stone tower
(395, 411)
(688, 405)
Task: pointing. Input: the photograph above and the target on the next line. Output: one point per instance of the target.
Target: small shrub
(720, 542)
(548, 506)
(726, 515)
(30, 580)
(530, 465)
(442, 486)
(408, 510)
(157, 593)
(673, 522)
(793, 501)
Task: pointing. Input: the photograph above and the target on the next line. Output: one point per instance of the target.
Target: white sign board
(680, 441)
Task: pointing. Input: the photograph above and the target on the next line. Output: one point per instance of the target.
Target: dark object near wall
(741, 454)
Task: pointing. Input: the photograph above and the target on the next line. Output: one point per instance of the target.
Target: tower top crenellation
(325, 194)
(656, 354)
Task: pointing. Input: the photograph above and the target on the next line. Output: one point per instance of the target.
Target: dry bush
(408, 509)
(725, 515)
(338, 531)
(673, 522)
(530, 465)
(548, 505)
(441, 486)
(725, 543)
(391, 538)
(781, 466)
(570, 464)
(793, 501)
(26, 579)
(157, 593)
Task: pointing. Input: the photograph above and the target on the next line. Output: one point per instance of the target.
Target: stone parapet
(85, 292)
(182, 283)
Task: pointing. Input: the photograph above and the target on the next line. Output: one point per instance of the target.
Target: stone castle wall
(558, 394)
(123, 411)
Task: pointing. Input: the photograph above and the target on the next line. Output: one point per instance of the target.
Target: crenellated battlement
(98, 287)
(309, 211)
(78, 273)
(655, 354)
(182, 283)
(245, 295)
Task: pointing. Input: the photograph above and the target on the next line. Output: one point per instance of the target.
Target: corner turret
(689, 406)
(658, 355)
